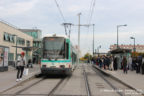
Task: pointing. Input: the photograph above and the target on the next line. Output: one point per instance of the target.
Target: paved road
(71, 86)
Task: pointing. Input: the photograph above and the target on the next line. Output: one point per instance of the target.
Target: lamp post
(16, 48)
(98, 49)
(134, 44)
(93, 39)
(117, 34)
(78, 35)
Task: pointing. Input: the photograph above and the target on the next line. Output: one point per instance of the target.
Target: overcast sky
(44, 15)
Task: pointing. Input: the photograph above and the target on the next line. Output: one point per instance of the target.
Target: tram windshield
(54, 48)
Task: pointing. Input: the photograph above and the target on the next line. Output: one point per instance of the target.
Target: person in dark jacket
(115, 63)
(142, 66)
(104, 62)
(138, 64)
(124, 62)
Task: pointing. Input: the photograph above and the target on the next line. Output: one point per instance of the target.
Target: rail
(86, 82)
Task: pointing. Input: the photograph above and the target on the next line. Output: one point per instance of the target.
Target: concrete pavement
(133, 80)
(8, 78)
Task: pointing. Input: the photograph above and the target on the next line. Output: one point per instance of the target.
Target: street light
(134, 44)
(117, 33)
(16, 48)
(98, 49)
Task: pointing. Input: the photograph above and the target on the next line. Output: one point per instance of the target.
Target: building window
(35, 35)
(20, 41)
(8, 37)
(11, 38)
(28, 43)
(11, 57)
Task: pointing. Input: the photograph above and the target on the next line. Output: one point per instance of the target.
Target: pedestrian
(115, 63)
(29, 63)
(105, 63)
(134, 60)
(124, 62)
(130, 63)
(111, 63)
(99, 60)
(138, 64)
(142, 65)
(20, 66)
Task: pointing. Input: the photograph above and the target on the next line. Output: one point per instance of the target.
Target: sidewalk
(132, 79)
(8, 78)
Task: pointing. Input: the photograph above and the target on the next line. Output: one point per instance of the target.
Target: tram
(58, 56)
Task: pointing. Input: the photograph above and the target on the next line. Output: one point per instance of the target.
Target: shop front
(4, 58)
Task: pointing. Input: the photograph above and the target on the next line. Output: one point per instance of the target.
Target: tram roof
(55, 35)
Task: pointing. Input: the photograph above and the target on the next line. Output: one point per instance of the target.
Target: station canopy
(119, 50)
(26, 48)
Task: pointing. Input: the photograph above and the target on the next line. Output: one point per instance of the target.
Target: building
(37, 36)
(139, 48)
(79, 51)
(9, 36)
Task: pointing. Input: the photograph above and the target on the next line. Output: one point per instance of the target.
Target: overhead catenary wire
(90, 11)
(60, 10)
(92, 6)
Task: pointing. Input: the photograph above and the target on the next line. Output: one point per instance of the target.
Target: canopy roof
(119, 50)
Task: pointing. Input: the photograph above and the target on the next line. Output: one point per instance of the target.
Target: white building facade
(8, 37)
(139, 48)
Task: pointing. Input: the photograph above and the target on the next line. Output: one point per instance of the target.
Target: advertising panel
(1, 56)
(6, 51)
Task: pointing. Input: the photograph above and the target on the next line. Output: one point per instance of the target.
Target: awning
(25, 48)
(116, 51)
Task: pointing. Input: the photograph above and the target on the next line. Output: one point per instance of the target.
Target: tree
(88, 56)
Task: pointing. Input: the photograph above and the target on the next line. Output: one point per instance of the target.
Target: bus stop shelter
(119, 54)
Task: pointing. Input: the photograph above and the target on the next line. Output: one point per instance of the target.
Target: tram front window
(53, 48)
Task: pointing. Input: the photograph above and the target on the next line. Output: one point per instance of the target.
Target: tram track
(86, 82)
(55, 88)
(21, 92)
(92, 81)
(110, 81)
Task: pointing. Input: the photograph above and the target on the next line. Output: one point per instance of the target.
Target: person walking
(105, 62)
(111, 63)
(20, 66)
(130, 63)
(142, 67)
(115, 63)
(124, 62)
(138, 64)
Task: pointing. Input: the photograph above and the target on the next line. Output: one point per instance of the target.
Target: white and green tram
(58, 56)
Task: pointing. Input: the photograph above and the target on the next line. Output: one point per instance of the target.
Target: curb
(117, 79)
(25, 79)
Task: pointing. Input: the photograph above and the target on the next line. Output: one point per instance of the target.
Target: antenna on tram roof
(54, 35)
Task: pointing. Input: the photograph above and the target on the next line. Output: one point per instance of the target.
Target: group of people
(126, 63)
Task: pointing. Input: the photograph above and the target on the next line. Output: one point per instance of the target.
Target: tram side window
(67, 51)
